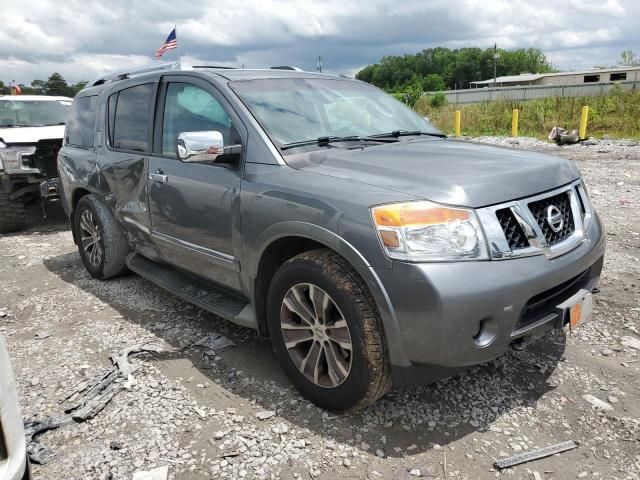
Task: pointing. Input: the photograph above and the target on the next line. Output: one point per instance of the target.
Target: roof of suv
(177, 68)
(254, 74)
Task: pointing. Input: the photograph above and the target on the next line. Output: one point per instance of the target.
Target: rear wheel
(326, 332)
(102, 243)
(12, 214)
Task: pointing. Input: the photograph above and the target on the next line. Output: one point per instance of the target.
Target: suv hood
(31, 134)
(445, 171)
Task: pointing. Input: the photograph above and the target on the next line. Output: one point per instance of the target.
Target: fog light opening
(479, 331)
(485, 332)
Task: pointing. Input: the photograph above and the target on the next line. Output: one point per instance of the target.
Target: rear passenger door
(128, 132)
(194, 206)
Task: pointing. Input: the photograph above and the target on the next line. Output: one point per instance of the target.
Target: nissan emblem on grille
(554, 218)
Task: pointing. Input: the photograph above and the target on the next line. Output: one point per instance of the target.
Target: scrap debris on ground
(214, 342)
(87, 400)
(563, 137)
(194, 412)
(536, 454)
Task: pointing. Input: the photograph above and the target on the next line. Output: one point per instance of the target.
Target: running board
(200, 293)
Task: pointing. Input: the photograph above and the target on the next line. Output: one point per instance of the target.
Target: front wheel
(102, 243)
(326, 332)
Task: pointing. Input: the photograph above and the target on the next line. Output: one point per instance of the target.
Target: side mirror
(203, 147)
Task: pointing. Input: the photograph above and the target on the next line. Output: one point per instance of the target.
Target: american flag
(169, 44)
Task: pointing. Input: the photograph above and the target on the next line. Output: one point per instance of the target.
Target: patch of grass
(616, 114)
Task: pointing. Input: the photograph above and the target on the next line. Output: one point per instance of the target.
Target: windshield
(300, 109)
(33, 113)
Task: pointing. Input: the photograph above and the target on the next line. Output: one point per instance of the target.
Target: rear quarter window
(82, 121)
(129, 112)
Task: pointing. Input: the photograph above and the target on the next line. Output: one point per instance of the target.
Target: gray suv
(331, 218)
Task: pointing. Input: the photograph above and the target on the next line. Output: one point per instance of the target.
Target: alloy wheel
(316, 335)
(90, 238)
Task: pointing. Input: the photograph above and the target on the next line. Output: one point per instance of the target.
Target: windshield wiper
(14, 125)
(326, 141)
(322, 141)
(406, 133)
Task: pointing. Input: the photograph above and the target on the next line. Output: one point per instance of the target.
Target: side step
(194, 290)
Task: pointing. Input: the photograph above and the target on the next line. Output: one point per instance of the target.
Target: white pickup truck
(31, 132)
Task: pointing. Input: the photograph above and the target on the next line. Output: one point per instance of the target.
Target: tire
(104, 253)
(318, 274)
(12, 214)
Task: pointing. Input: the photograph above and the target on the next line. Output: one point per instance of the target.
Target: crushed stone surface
(233, 414)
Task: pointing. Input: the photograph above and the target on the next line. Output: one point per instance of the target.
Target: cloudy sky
(82, 39)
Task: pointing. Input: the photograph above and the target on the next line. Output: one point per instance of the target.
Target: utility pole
(320, 64)
(496, 56)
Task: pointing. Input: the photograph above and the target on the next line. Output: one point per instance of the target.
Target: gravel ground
(233, 414)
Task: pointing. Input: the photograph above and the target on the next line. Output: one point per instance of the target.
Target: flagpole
(175, 29)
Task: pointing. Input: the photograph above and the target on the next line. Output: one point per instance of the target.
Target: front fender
(348, 252)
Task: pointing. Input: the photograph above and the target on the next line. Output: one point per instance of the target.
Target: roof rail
(212, 66)
(287, 67)
(134, 72)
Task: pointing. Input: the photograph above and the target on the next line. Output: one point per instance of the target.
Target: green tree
(57, 85)
(411, 92)
(433, 83)
(38, 86)
(456, 68)
(76, 87)
(4, 90)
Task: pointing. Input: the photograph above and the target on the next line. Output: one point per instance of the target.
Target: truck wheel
(326, 332)
(102, 243)
(12, 216)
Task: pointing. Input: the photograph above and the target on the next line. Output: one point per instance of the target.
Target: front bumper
(451, 316)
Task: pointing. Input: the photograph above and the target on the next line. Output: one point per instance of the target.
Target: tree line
(54, 85)
(442, 68)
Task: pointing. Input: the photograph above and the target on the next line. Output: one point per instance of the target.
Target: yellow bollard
(457, 132)
(583, 123)
(514, 123)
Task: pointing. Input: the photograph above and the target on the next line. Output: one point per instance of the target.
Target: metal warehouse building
(599, 75)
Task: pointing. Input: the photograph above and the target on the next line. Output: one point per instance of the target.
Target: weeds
(616, 114)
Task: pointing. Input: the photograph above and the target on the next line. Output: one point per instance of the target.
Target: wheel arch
(283, 241)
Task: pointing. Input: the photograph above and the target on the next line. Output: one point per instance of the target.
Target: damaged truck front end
(31, 132)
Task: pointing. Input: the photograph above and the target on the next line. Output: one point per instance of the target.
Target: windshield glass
(299, 109)
(33, 113)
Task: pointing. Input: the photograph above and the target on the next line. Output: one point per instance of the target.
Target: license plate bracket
(577, 309)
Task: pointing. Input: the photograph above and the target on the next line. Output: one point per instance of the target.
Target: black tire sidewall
(86, 203)
(352, 390)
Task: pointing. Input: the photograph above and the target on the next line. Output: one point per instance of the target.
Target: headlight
(11, 157)
(428, 232)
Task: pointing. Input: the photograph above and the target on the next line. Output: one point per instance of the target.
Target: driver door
(193, 206)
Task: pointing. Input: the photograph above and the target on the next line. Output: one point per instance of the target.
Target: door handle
(158, 176)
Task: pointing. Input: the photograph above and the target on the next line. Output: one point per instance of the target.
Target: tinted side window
(131, 122)
(81, 121)
(189, 108)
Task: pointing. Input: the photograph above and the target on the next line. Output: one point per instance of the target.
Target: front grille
(512, 229)
(539, 210)
(545, 303)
